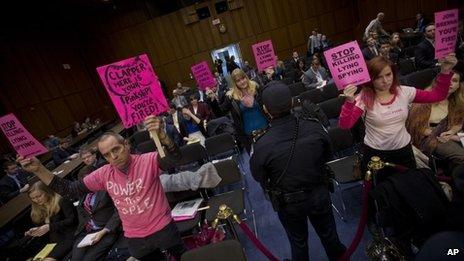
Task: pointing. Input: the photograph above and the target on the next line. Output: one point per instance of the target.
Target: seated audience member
(14, 181)
(326, 44)
(173, 133)
(301, 68)
(77, 129)
(63, 152)
(53, 215)
(434, 127)
(424, 52)
(370, 51)
(183, 90)
(396, 45)
(200, 109)
(147, 221)
(385, 51)
(174, 117)
(179, 101)
(52, 141)
(315, 75)
(97, 215)
(214, 99)
(193, 129)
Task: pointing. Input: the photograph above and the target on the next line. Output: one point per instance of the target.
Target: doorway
(225, 53)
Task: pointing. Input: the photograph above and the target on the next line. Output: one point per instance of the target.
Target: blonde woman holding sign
(243, 101)
(383, 103)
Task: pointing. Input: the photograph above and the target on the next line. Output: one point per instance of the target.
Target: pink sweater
(385, 123)
(138, 195)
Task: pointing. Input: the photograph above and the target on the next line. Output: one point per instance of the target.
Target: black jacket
(424, 54)
(8, 187)
(233, 106)
(104, 214)
(63, 223)
(272, 151)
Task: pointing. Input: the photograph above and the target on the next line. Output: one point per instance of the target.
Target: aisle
(272, 234)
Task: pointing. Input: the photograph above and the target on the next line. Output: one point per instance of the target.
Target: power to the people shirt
(138, 194)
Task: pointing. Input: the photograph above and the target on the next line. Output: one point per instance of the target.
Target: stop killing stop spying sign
(347, 65)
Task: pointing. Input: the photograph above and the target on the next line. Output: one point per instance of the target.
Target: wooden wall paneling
(197, 36)
(156, 48)
(183, 38)
(262, 15)
(36, 120)
(139, 38)
(12, 77)
(263, 37)
(232, 35)
(239, 24)
(297, 35)
(278, 13)
(75, 103)
(173, 73)
(343, 19)
(160, 41)
(430, 7)
(174, 51)
(245, 49)
(92, 101)
(251, 11)
(308, 26)
(184, 68)
(272, 15)
(246, 22)
(280, 39)
(321, 6)
(49, 82)
(326, 24)
(295, 12)
(203, 56)
(206, 29)
(60, 114)
(32, 65)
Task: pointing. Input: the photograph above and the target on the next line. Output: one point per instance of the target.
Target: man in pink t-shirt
(133, 183)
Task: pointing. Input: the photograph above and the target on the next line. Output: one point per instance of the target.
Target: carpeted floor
(272, 234)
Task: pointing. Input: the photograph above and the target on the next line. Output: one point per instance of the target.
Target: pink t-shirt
(385, 128)
(138, 195)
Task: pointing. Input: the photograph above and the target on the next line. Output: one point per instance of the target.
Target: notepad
(186, 210)
(86, 241)
(44, 252)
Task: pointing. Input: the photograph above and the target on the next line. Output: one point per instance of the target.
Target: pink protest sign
(264, 55)
(446, 31)
(134, 89)
(203, 75)
(21, 140)
(347, 65)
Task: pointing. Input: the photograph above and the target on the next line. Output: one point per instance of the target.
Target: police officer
(288, 161)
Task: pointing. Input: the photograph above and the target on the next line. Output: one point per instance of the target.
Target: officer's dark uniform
(304, 184)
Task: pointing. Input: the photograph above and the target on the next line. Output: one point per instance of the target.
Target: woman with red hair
(384, 105)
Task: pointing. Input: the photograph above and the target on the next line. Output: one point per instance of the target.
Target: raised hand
(30, 164)
(448, 63)
(349, 92)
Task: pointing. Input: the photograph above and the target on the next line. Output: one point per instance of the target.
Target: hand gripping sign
(446, 31)
(22, 141)
(203, 76)
(134, 90)
(347, 65)
(264, 55)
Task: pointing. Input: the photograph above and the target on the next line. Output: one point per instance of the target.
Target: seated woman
(192, 129)
(55, 216)
(97, 215)
(433, 127)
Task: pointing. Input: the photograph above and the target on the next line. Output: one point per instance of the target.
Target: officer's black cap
(277, 98)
